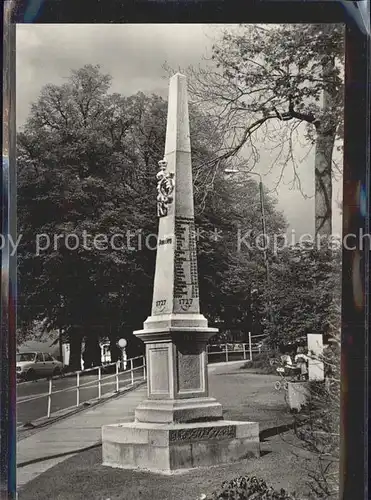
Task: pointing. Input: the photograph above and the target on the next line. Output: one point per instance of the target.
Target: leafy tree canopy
(278, 89)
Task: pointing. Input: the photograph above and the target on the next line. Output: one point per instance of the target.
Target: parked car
(31, 365)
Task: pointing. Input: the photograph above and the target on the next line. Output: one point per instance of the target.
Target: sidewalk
(53, 444)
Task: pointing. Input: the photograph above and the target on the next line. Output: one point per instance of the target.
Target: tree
(306, 282)
(273, 86)
(79, 171)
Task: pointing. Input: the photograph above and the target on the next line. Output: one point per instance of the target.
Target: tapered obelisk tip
(176, 281)
(177, 129)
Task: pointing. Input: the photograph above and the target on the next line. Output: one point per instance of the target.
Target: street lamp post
(122, 344)
(264, 228)
(264, 232)
(60, 344)
(263, 220)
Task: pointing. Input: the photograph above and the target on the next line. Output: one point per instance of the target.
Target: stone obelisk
(176, 333)
(179, 425)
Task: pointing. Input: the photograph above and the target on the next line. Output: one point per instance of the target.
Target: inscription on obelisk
(186, 277)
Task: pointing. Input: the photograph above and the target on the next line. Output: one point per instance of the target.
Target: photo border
(356, 192)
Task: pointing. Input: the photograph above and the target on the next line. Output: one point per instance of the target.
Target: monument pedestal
(166, 448)
(177, 389)
(178, 426)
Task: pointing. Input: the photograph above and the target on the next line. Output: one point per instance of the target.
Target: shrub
(320, 427)
(248, 488)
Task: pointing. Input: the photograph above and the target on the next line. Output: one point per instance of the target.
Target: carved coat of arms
(165, 188)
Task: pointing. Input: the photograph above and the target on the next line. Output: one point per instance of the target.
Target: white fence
(98, 382)
(235, 351)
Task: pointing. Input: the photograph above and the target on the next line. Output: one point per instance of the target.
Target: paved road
(32, 401)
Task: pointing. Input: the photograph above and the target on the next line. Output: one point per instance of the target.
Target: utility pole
(263, 220)
(264, 232)
(60, 346)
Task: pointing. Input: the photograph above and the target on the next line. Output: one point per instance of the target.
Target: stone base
(166, 448)
(178, 410)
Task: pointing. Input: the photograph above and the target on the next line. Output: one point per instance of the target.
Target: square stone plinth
(179, 410)
(170, 447)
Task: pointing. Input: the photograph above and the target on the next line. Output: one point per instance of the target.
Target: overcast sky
(134, 55)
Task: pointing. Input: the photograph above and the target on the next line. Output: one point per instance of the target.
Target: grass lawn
(83, 477)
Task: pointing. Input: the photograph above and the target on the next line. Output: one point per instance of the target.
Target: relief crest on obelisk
(165, 187)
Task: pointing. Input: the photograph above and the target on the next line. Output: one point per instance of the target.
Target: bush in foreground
(319, 429)
(248, 488)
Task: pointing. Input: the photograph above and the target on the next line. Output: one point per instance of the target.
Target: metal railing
(224, 353)
(234, 351)
(99, 382)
